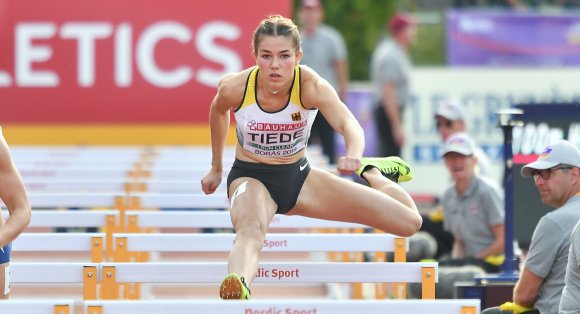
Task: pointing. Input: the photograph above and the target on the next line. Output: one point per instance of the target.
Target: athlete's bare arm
(229, 96)
(318, 93)
(14, 196)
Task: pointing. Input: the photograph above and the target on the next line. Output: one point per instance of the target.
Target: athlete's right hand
(211, 181)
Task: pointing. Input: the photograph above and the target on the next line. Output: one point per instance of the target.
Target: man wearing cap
(390, 72)
(556, 174)
(325, 51)
(473, 208)
(449, 119)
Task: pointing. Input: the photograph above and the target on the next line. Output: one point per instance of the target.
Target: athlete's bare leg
(251, 214)
(384, 205)
(378, 182)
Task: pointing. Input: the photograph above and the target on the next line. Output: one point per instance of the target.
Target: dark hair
(277, 25)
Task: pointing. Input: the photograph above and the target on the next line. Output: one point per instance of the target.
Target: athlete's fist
(211, 181)
(348, 165)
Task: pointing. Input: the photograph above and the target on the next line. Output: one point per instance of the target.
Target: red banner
(121, 61)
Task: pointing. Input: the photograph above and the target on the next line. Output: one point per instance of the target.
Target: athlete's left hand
(348, 165)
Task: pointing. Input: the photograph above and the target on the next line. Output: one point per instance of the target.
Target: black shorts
(283, 182)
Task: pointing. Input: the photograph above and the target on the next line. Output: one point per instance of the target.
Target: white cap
(458, 143)
(450, 109)
(558, 153)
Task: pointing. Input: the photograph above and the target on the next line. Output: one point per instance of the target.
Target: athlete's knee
(411, 225)
(251, 232)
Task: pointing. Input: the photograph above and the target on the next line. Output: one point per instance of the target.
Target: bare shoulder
(231, 86)
(5, 158)
(308, 76)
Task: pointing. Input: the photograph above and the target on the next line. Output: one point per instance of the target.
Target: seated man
(474, 214)
(556, 174)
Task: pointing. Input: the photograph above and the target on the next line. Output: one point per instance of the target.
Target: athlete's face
(276, 57)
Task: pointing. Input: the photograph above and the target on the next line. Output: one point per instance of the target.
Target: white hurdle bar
(113, 172)
(287, 272)
(37, 306)
(140, 200)
(220, 219)
(121, 274)
(129, 245)
(121, 184)
(168, 219)
(282, 306)
(274, 242)
(72, 218)
(107, 219)
(62, 242)
(86, 273)
(115, 274)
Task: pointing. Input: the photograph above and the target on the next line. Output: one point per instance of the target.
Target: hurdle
(122, 202)
(119, 200)
(129, 247)
(12, 306)
(137, 219)
(278, 306)
(72, 218)
(106, 219)
(62, 242)
(274, 242)
(115, 274)
(114, 172)
(85, 273)
(119, 185)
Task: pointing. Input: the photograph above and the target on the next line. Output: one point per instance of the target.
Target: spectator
(473, 230)
(556, 175)
(450, 119)
(473, 209)
(13, 194)
(324, 51)
(390, 72)
(570, 302)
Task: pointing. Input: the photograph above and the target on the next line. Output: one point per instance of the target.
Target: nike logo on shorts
(303, 166)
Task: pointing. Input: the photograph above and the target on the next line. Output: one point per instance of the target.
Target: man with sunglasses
(556, 174)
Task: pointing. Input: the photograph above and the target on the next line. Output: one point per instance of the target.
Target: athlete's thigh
(3, 280)
(251, 204)
(327, 196)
